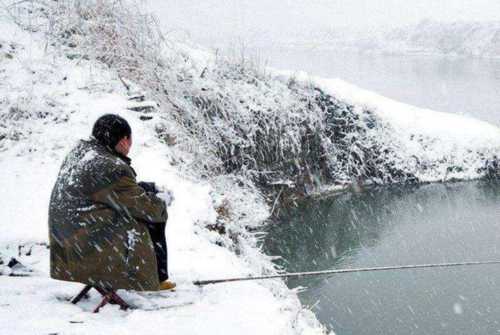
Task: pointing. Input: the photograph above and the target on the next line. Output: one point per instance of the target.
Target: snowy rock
(143, 107)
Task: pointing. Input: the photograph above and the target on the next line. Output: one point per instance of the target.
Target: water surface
(397, 225)
(468, 86)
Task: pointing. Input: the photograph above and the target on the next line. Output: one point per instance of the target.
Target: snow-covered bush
(232, 118)
(227, 118)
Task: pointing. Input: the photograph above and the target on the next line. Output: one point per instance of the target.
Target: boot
(167, 285)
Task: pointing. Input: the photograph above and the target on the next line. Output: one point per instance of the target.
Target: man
(106, 230)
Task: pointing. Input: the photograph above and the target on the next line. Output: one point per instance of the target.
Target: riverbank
(464, 86)
(50, 102)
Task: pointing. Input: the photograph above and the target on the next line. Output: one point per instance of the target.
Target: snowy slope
(432, 146)
(48, 103)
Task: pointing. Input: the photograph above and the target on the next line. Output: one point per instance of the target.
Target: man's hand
(149, 187)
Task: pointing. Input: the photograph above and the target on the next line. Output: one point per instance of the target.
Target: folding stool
(109, 297)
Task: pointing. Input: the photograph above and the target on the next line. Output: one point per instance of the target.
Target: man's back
(95, 211)
(88, 168)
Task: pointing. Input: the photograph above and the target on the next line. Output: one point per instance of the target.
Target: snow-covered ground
(50, 102)
(433, 146)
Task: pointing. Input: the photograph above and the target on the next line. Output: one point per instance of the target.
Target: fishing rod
(338, 271)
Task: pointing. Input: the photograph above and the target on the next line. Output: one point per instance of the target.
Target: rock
(170, 140)
(13, 262)
(137, 97)
(17, 269)
(143, 106)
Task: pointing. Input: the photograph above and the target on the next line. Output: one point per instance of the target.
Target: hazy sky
(213, 21)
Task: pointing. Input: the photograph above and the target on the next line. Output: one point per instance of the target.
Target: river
(399, 225)
(432, 223)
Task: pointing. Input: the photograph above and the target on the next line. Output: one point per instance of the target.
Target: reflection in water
(391, 226)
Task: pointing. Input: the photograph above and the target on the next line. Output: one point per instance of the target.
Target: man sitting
(105, 230)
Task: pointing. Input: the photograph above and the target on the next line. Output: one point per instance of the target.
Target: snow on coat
(96, 222)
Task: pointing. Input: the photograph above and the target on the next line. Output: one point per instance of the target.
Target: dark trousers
(157, 232)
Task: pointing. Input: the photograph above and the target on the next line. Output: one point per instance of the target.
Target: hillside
(49, 102)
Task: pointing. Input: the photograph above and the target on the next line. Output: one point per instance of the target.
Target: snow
(457, 308)
(450, 134)
(74, 93)
(428, 37)
(49, 102)
(439, 139)
(403, 117)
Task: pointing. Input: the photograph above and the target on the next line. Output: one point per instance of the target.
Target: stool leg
(101, 291)
(80, 295)
(104, 301)
(109, 296)
(119, 301)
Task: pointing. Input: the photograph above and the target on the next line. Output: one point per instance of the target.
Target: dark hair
(109, 129)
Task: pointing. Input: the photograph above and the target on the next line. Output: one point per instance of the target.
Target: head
(114, 132)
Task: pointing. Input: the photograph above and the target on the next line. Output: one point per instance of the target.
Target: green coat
(96, 222)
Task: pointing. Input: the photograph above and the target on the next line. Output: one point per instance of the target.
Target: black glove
(149, 187)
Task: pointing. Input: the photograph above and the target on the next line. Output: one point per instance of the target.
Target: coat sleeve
(125, 196)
